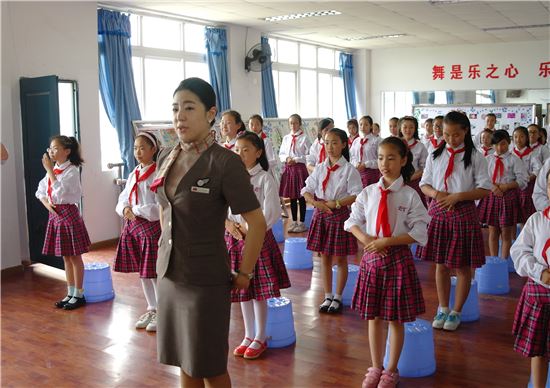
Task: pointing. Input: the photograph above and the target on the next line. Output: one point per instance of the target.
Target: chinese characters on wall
(458, 72)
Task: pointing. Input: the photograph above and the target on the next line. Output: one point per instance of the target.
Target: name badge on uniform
(202, 190)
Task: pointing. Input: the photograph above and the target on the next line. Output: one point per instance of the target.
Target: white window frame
(334, 72)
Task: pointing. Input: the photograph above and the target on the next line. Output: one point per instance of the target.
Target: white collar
(64, 165)
(395, 186)
(255, 170)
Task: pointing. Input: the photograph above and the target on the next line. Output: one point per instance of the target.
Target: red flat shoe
(241, 349)
(252, 353)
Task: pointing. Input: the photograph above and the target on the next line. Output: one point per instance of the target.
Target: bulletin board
(276, 129)
(509, 116)
(162, 130)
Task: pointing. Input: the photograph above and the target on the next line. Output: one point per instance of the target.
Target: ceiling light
(294, 16)
(390, 36)
(439, 2)
(515, 27)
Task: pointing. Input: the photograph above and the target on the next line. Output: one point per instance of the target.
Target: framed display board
(162, 130)
(509, 116)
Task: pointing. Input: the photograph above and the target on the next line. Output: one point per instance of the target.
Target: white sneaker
(439, 320)
(292, 227)
(301, 227)
(144, 320)
(152, 326)
(452, 322)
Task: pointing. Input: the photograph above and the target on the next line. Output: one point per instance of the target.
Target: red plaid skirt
(137, 248)
(293, 180)
(270, 275)
(416, 185)
(369, 176)
(327, 235)
(500, 211)
(527, 207)
(388, 287)
(66, 234)
(532, 321)
(454, 236)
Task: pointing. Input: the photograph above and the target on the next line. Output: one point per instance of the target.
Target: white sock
(260, 315)
(248, 318)
(328, 299)
(338, 296)
(149, 291)
(70, 293)
(78, 293)
(453, 312)
(444, 310)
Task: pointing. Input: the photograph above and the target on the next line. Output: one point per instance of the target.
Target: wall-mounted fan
(258, 58)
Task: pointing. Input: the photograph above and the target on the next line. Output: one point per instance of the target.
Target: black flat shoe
(60, 303)
(324, 308)
(335, 310)
(72, 306)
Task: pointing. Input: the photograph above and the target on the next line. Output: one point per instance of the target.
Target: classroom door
(40, 120)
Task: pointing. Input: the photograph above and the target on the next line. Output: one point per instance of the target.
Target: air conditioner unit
(513, 93)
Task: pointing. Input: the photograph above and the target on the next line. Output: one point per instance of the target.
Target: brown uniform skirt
(193, 327)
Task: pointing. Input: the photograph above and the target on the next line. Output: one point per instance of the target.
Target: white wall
(246, 87)
(411, 68)
(45, 38)
(361, 64)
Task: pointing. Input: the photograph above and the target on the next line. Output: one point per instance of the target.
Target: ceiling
(426, 23)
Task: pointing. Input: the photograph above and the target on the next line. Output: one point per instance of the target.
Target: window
(394, 104)
(484, 97)
(307, 81)
(440, 97)
(164, 52)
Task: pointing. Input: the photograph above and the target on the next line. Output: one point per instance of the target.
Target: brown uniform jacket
(192, 249)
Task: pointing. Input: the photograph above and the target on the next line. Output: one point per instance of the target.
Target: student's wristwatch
(338, 206)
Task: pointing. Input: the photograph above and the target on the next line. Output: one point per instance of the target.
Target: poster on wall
(509, 116)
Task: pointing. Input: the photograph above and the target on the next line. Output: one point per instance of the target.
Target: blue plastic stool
(492, 278)
(278, 231)
(470, 310)
(353, 274)
(418, 354)
(98, 283)
(280, 323)
(296, 255)
(309, 216)
(414, 247)
(510, 262)
(547, 379)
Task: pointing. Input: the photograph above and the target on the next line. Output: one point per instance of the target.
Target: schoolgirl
(363, 153)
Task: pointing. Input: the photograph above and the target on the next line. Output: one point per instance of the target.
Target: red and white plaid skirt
(66, 234)
(388, 287)
(532, 321)
(500, 211)
(293, 180)
(327, 235)
(416, 185)
(369, 176)
(270, 275)
(137, 248)
(527, 207)
(454, 236)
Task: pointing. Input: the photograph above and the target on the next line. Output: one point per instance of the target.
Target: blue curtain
(346, 72)
(216, 48)
(116, 80)
(269, 102)
(450, 96)
(493, 96)
(416, 98)
(431, 97)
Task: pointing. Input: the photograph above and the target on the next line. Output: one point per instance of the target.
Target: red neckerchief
(451, 164)
(352, 139)
(229, 146)
(329, 170)
(139, 179)
(263, 135)
(499, 169)
(486, 150)
(382, 218)
(434, 142)
(412, 145)
(293, 143)
(363, 142)
(526, 152)
(56, 171)
(322, 153)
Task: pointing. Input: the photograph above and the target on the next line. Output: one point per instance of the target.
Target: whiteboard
(509, 116)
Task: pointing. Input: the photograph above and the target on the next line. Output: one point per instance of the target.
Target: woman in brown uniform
(197, 181)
